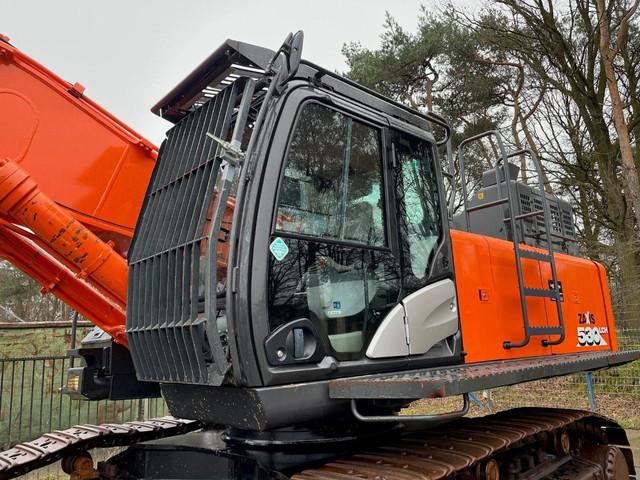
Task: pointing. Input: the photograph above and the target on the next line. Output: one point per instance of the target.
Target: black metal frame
(261, 211)
(178, 103)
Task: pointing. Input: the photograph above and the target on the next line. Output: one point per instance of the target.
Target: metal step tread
(543, 257)
(539, 292)
(459, 379)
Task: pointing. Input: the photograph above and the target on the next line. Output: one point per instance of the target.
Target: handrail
(512, 220)
(437, 417)
(546, 213)
(441, 122)
(452, 177)
(463, 179)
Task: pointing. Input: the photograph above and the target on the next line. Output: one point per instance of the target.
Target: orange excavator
(287, 272)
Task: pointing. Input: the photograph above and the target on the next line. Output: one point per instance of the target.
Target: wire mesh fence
(615, 392)
(32, 402)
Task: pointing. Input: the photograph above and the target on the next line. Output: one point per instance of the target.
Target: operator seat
(339, 293)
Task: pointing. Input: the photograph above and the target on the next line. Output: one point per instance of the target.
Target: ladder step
(539, 292)
(544, 257)
(545, 330)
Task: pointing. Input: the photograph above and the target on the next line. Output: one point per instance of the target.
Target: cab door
(330, 253)
(332, 273)
(427, 313)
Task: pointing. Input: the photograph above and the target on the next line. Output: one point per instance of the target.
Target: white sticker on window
(279, 249)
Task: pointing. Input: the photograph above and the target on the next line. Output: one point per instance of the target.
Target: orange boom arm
(72, 181)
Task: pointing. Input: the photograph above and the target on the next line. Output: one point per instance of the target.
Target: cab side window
(418, 203)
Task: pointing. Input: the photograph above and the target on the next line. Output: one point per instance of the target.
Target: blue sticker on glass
(279, 249)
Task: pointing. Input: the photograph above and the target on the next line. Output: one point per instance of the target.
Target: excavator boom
(72, 181)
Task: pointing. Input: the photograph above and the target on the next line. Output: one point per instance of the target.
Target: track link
(523, 444)
(50, 447)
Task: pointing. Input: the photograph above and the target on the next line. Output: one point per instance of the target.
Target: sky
(130, 53)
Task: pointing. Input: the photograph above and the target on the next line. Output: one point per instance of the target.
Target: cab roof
(235, 59)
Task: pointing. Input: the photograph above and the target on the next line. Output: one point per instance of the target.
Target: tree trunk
(629, 172)
(516, 139)
(532, 145)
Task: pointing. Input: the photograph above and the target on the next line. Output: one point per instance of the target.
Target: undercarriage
(527, 443)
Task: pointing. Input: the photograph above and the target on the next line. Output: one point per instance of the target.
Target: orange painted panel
(489, 301)
(584, 309)
(68, 170)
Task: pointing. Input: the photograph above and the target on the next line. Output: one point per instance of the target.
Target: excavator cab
(295, 247)
(338, 266)
(338, 253)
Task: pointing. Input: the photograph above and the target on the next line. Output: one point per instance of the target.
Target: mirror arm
(291, 45)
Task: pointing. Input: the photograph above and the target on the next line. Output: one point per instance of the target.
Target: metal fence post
(592, 396)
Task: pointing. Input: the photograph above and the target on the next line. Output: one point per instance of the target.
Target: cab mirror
(295, 54)
(288, 58)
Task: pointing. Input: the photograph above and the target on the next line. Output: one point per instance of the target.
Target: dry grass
(567, 392)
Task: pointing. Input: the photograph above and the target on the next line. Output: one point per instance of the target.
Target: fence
(616, 391)
(31, 402)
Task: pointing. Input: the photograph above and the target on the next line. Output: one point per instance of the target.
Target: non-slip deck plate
(459, 379)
